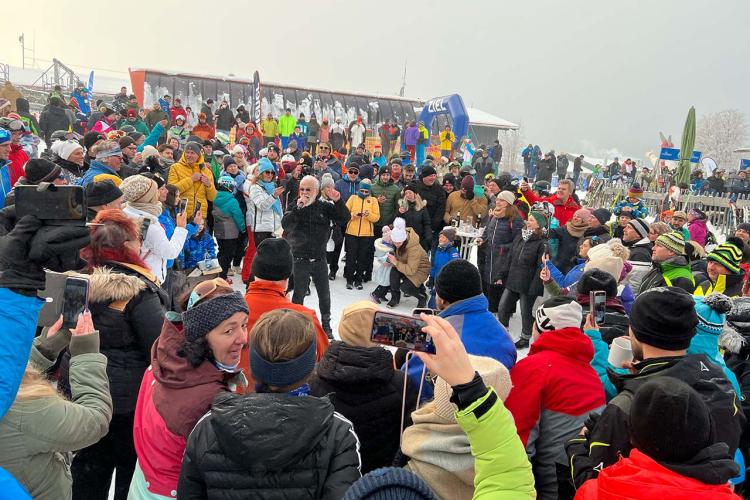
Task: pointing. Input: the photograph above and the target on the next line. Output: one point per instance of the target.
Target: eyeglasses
(305, 190)
(325, 147)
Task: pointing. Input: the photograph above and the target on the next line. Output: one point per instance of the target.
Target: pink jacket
(698, 231)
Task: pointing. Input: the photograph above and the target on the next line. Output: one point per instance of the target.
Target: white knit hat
(507, 197)
(558, 313)
(602, 257)
(398, 234)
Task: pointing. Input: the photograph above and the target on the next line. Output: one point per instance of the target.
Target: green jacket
(286, 125)
(38, 434)
(216, 168)
(155, 116)
(139, 125)
(501, 467)
(387, 208)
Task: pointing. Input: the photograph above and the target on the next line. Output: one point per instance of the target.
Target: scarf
(154, 209)
(576, 231)
(270, 187)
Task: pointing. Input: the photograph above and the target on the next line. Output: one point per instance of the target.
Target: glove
(20, 273)
(57, 247)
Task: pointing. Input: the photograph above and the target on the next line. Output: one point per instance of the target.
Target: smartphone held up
(75, 300)
(401, 330)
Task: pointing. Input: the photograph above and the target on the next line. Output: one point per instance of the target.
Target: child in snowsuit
(444, 253)
(632, 203)
(382, 275)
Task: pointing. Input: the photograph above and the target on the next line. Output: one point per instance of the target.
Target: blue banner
(674, 155)
(744, 164)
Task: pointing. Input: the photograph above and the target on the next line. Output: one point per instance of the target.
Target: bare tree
(513, 142)
(718, 134)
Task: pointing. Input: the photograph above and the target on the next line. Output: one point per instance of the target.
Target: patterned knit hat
(640, 226)
(712, 313)
(389, 483)
(206, 315)
(635, 191)
(558, 313)
(227, 183)
(140, 189)
(728, 254)
(673, 241)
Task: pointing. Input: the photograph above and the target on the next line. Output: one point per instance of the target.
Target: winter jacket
(675, 271)
(411, 134)
(416, 217)
(563, 211)
(638, 209)
(52, 119)
(447, 138)
(640, 250)
(6, 187)
(497, 240)
(286, 125)
(307, 228)
(442, 256)
(360, 225)
(269, 128)
(469, 209)
(483, 166)
(198, 247)
(179, 133)
(569, 279)
(224, 118)
(520, 271)
(435, 198)
(22, 108)
(554, 390)
(567, 248)
(228, 219)
(156, 248)
(706, 342)
(736, 346)
(501, 468)
(72, 171)
(545, 170)
(180, 174)
(127, 308)
(368, 391)
(728, 284)
(172, 399)
(698, 231)
(641, 477)
(388, 207)
(138, 124)
(38, 434)
(95, 169)
(235, 452)
(347, 188)
(612, 430)
(18, 159)
(155, 116)
(204, 130)
(411, 259)
(176, 111)
(260, 216)
(313, 131)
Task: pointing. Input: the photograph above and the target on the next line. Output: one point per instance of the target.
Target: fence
(724, 211)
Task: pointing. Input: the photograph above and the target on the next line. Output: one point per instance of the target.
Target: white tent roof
(482, 118)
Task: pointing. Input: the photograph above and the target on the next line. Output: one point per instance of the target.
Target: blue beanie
(390, 483)
(264, 165)
(712, 313)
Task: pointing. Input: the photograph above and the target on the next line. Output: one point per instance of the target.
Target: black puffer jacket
(735, 340)
(270, 446)
(368, 391)
(307, 228)
(497, 241)
(567, 250)
(520, 273)
(435, 198)
(128, 310)
(417, 218)
(52, 119)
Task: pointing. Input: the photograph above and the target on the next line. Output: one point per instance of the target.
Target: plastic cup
(620, 351)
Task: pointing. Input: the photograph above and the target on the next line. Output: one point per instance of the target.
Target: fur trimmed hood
(108, 285)
(419, 203)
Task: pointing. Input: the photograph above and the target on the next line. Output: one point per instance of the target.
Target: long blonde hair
(34, 385)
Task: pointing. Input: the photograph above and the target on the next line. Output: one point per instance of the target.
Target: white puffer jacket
(260, 216)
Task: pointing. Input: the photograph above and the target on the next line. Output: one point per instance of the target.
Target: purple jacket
(698, 231)
(411, 135)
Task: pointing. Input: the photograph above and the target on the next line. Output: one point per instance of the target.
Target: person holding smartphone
(193, 178)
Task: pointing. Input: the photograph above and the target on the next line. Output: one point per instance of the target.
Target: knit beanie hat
(673, 241)
(108, 177)
(458, 280)
(355, 324)
(467, 183)
(427, 171)
(640, 226)
(126, 141)
(602, 257)
(666, 411)
(398, 234)
(326, 181)
(193, 146)
(38, 170)
(728, 254)
(595, 280)
(65, 148)
(449, 232)
(148, 152)
(744, 226)
(602, 215)
(389, 483)
(697, 213)
(635, 191)
(273, 260)
(384, 170)
(494, 375)
(584, 214)
(229, 160)
(540, 218)
(664, 317)
(140, 189)
(226, 183)
(101, 192)
(558, 313)
(507, 197)
(92, 138)
(712, 313)
(366, 184)
(206, 315)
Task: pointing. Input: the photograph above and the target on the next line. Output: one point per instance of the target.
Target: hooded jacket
(641, 477)
(675, 271)
(640, 250)
(612, 430)
(435, 198)
(698, 231)
(388, 207)
(18, 159)
(260, 216)
(368, 391)
(172, 398)
(728, 284)
(242, 449)
(554, 390)
(361, 225)
(180, 174)
(416, 217)
(519, 271)
(228, 219)
(412, 261)
(307, 227)
(497, 240)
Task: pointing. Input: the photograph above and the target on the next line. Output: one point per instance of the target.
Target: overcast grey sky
(579, 75)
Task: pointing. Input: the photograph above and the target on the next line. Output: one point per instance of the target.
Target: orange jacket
(204, 131)
(264, 296)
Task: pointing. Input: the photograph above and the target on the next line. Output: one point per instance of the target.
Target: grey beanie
(200, 319)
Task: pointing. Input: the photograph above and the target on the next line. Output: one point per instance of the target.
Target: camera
(55, 205)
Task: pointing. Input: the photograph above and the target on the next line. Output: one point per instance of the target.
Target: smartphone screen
(75, 300)
(598, 301)
(400, 330)
(418, 310)
(197, 208)
(144, 228)
(183, 206)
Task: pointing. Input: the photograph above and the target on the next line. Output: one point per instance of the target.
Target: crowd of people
(196, 371)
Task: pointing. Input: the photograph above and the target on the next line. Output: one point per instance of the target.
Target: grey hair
(570, 184)
(315, 179)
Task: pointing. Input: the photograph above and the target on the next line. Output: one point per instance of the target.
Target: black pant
(92, 467)
(378, 232)
(333, 256)
(210, 218)
(508, 306)
(357, 251)
(399, 282)
(227, 249)
(304, 269)
(239, 251)
(260, 236)
(493, 293)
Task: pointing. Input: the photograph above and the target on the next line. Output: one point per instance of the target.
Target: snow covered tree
(512, 141)
(718, 134)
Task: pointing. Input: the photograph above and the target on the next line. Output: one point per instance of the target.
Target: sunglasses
(325, 147)
(205, 288)
(305, 190)
(364, 191)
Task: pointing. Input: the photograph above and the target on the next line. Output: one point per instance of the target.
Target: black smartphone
(597, 304)
(56, 203)
(426, 310)
(75, 300)
(197, 208)
(145, 224)
(182, 206)
(401, 330)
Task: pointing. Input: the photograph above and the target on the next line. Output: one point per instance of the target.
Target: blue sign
(744, 164)
(674, 155)
(451, 105)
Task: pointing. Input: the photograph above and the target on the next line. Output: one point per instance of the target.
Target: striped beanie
(635, 191)
(640, 226)
(712, 310)
(673, 241)
(728, 254)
